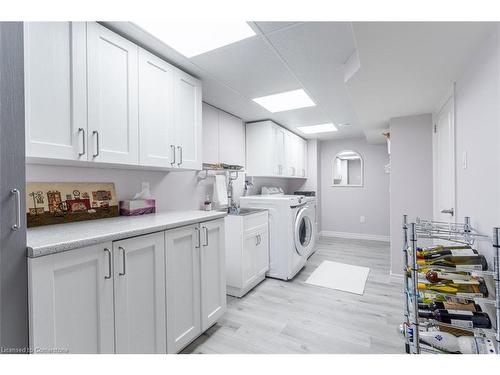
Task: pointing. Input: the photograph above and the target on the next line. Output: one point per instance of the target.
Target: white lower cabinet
(139, 280)
(148, 294)
(247, 256)
(71, 301)
(195, 281)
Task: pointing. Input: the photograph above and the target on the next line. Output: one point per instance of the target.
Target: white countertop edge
(52, 247)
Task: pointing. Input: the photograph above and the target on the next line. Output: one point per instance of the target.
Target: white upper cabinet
(223, 137)
(231, 139)
(187, 121)
(55, 89)
(210, 134)
(156, 111)
(94, 96)
(274, 151)
(112, 96)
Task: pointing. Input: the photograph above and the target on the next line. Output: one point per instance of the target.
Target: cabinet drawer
(250, 222)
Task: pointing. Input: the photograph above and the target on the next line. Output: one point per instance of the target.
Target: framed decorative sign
(63, 202)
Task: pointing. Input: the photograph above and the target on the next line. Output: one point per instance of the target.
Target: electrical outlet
(362, 219)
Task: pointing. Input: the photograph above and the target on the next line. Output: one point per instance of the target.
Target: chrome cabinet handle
(82, 130)
(199, 237)
(124, 270)
(17, 195)
(173, 150)
(451, 211)
(106, 250)
(180, 155)
(257, 240)
(206, 236)
(96, 133)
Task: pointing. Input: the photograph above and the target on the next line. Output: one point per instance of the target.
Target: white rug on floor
(340, 276)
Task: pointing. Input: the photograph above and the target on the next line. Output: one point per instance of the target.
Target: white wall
(173, 190)
(342, 207)
(477, 127)
(410, 177)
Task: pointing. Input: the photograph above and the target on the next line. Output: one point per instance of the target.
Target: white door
(444, 163)
(71, 301)
(232, 139)
(139, 277)
(55, 89)
(279, 151)
(210, 134)
(112, 96)
(188, 117)
(213, 272)
(156, 111)
(183, 286)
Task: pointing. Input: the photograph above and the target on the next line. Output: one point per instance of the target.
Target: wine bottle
(475, 262)
(435, 276)
(457, 288)
(449, 305)
(458, 318)
(440, 250)
(449, 343)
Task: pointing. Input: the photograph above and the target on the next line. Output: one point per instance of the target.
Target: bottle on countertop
(207, 204)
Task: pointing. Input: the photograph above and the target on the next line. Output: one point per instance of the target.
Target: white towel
(220, 190)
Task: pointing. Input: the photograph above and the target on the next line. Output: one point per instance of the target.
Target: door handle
(258, 240)
(17, 195)
(106, 250)
(124, 270)
(199, 237)
(96, 133)
(180, 155)
(173, 150)
(206, 236)
(449, 211)
(82, 130)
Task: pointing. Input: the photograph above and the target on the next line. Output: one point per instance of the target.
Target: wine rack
(458, 233)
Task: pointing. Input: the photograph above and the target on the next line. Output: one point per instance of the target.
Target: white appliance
(310, 205)
(292, 228)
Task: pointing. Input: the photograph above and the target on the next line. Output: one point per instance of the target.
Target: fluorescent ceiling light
(285, 101)
(194, 37)
(321, 128)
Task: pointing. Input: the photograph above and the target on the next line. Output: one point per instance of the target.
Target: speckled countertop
(52, 239)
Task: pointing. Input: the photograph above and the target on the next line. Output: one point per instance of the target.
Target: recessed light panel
(320, 128)
(194, 37)
(285, 101)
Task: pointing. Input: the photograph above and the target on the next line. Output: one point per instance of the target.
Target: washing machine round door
(303, 231)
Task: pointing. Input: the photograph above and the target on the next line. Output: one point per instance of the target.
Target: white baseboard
(356, 236)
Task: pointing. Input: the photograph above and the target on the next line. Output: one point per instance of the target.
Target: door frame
(449, 98)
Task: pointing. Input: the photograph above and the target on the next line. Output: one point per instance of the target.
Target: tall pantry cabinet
(94, 96)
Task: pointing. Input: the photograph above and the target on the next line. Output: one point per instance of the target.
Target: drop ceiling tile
(272, 26)
(250, 67)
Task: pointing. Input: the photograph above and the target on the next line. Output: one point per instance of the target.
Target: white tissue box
(135, 207)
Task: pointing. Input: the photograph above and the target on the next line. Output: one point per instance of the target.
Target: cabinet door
(156, 111)
(279, 151)
(71, 301)
(210, 134)
(213, 272)
(248, 266)
(232, 139)
(55, 89)
(139, 277)
(187, 99)
(304, 158)
(112, 96)
(183, 286)
(262, 250)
